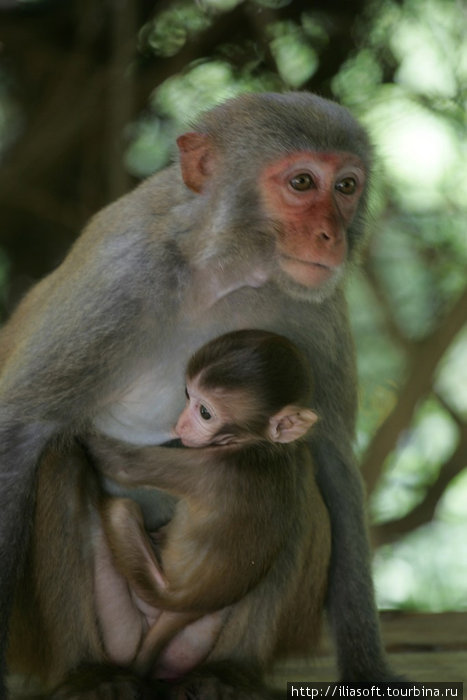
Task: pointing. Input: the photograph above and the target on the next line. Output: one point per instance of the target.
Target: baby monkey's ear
(291, 423)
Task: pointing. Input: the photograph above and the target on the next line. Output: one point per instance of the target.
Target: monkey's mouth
(312, 263)
(307, 272)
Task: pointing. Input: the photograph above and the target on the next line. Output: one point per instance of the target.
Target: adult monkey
(255, 229)
(88, 592)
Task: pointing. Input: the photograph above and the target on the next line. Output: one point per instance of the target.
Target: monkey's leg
(278, 617)
(53, 627)
(160, 634)
(350, 601)
(20, 446)
(130, 545)
(132, 549)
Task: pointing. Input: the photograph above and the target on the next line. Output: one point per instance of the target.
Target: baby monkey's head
(245, 386)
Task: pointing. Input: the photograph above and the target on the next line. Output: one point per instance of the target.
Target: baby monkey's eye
(187, 394)
(204, 413)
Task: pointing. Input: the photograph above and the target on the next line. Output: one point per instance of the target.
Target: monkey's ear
(291, 423)
(196, 159)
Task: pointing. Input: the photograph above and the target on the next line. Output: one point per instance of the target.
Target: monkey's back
(223, 541)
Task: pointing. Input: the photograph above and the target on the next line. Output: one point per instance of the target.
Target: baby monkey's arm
(181, 471)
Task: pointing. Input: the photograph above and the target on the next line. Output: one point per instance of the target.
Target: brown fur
(245, 516)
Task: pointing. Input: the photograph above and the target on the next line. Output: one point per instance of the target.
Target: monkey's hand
(172, 469)
(110, 456)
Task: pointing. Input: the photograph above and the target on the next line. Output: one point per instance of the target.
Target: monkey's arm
(342, 489)
(59, 356)
(181, 471)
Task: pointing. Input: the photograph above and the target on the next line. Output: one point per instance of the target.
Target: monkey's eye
(347, 186)
(187, 394)
(204, 413)
(301, 182)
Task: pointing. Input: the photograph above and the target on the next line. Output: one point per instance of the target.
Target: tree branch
(424, 511)
(422, 366)
(121, 102)
(392, 327)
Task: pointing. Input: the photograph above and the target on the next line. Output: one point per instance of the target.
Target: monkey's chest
(145, 407)
(144, 412)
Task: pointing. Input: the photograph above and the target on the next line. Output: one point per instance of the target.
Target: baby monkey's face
(215, 416)
(205, 415)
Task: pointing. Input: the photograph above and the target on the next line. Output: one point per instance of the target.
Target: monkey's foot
(96, 682)
(222, 681)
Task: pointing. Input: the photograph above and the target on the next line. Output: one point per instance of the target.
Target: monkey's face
(203, 418)
(306, 201)
(313, 198)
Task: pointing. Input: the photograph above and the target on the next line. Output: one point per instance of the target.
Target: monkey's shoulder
(265, 482)
(265, 460)
(151, 212)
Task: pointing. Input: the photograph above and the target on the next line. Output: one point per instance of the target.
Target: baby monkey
(243, 498)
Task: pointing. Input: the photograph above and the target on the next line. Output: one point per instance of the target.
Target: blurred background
(92, 93)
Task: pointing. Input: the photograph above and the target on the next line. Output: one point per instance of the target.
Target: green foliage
(296, 59)
(419, 255)
(426, 571)
(169, 31)
(451, 381)
(429, 442)
(178, 101)
(379, 361)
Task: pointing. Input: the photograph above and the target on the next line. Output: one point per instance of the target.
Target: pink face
(201, 419)
(314, 197)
